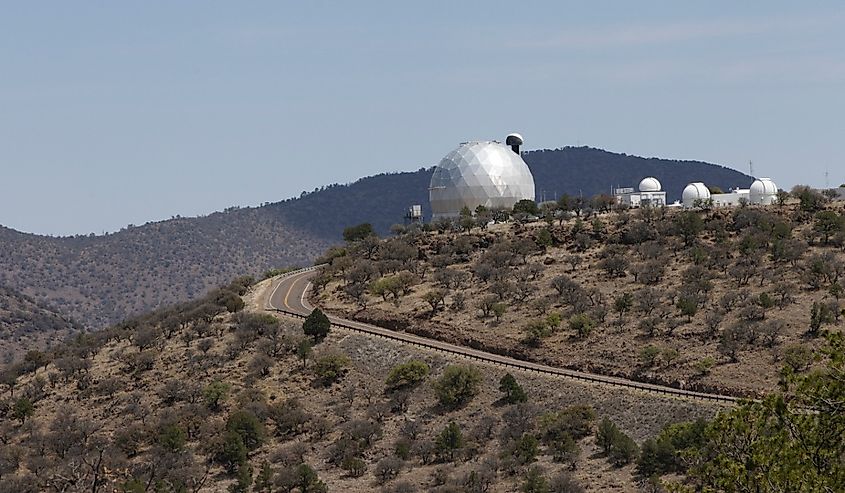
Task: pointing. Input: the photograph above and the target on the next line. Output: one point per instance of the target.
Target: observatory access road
(288, 296)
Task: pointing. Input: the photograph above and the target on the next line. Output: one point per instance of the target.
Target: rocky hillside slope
(216, 395)
(197, 399)
(26, 324)
(712, 300)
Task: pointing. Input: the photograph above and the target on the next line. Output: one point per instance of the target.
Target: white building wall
(731, 199)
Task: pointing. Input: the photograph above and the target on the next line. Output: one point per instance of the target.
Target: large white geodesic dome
(479, 173)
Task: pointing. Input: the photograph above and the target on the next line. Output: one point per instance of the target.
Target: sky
(117, 113)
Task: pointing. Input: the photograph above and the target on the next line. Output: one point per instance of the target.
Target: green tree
(248, 427)
(331, 367)
(582, 324)
(525, 449)
(554, 320)
(304, 351)
(535, 481)
(575, 421)
(457, 385)
(499, 309)
(233, 452)
(359, 232)
(565, 450)
(172, 437)
(688, 307)
(514, 392)
(22, 409)
(316, 325)
(669, 451)
(355, 466)
(704, 365)
(623, 303)
(797, 357)
(827, 224)
(264, 480)
(810, 200)
(407, 375)
(230, 300)
(689, 224)
(623, 450)
(776, 444)
(820, 314)
(544, 238)
(526, 206)
(535, 331)
(307, 480)
(435, 298)
(243, 477)
(649, 355)
(605, 434)
(449, 441)
(215, 393)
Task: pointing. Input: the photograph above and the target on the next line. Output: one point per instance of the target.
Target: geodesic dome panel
(479, 173)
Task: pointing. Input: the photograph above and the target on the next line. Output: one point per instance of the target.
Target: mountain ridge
(102, 279)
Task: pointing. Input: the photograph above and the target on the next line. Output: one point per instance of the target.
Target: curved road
(288, 296)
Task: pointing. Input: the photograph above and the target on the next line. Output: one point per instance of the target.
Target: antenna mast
(751, 168)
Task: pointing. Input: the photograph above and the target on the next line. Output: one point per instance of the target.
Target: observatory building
(480, 173)
(650, 194)
(695, 194)
(763, 191)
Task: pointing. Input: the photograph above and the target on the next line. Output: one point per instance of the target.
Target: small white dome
(763, 191)
(650, 184)
(695, 191)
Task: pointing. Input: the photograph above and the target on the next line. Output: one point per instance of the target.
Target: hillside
(184, 403)
(99, 280)
(26, 324)
(195, 398)
(715, 301)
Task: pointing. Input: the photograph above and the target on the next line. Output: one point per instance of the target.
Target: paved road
(288, 296)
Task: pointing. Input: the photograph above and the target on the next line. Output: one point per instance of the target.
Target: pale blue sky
(115, 112)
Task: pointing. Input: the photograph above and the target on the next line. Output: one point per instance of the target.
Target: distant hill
(102, 279)
(27, 324)
(383, 199)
